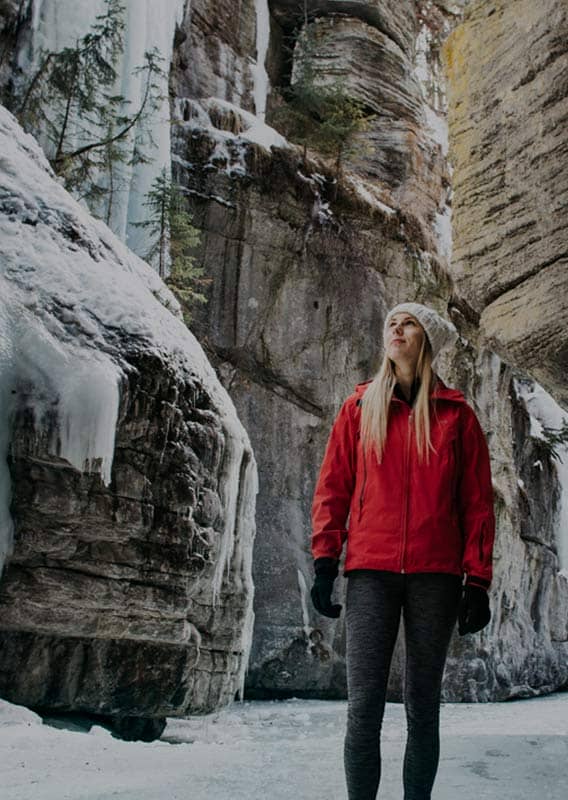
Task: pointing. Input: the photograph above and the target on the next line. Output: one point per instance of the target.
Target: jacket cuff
(481, 583)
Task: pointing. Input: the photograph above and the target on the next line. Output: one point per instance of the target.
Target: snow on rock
(148, 24)
(544, 412)
(11, 714)
(230, 127)
(82, 320)
(369, 193)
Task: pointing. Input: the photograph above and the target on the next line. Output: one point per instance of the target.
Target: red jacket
(404, 515)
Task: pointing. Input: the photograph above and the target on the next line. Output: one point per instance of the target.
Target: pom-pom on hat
(439, 331)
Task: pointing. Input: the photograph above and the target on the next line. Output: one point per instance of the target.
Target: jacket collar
(440, 392)
(398, 393)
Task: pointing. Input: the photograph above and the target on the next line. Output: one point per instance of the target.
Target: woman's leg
(430, 612)
(373, 605)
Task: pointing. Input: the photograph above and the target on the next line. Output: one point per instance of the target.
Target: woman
(407, 461)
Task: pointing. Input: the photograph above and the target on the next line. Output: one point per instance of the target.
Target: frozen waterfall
(148, 24)
(261, 82)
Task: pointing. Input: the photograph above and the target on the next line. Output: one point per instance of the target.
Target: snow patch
(231, 146)
(369, 193)
(438, 127)
(11, 714)
(253, 129)
(443, 230)
(288, 749)
(321, 209)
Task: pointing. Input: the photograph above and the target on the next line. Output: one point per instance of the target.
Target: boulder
(127, 588)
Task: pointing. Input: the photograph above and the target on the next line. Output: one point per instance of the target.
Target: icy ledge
(70, 293)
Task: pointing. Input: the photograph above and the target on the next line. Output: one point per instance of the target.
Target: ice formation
(545, 412)
(6, 407)
(434, 108)
(304, 595)
(149, 24)
(261, 83)
(70, 293)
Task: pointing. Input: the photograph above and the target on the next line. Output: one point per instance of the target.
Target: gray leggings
(429, 603)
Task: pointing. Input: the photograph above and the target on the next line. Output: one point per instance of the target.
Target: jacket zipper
(406, 485)
(455, 504)
(481, 544)
(363, 486)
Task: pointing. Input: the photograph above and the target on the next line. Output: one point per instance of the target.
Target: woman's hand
(473, 613)
(326, 570)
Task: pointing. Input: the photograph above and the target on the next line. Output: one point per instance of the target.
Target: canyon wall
(304, 268)
(304, 263)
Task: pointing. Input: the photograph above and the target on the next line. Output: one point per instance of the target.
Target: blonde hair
(376, 403)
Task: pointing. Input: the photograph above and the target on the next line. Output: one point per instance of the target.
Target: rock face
(387, 57)
(128, 589)
(214, 51)
(395, 18)
(291, 256)
(304, 267)
(507, 66)
(303, 271)
(524, 650)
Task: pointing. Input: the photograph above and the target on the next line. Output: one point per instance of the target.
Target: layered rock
(128, 590)
(506, 65)
(395, 18)
(386, 56)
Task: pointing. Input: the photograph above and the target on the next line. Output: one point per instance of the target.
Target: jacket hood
(441, 391)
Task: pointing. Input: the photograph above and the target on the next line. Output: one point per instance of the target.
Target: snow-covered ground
(290, 750)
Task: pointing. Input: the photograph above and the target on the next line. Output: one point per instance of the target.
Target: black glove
(326, 570)
(473, 613)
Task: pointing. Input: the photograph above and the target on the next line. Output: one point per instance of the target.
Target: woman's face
(403, 339)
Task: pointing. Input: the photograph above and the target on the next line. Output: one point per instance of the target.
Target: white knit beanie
(439, 331)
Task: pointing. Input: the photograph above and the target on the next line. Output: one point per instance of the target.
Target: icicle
(80, 385)
(305, 613)
(6, 406)
(261, 82)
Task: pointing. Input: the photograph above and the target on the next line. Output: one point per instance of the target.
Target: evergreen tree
(322, 116)
(159, 202)
(70, 100)
(554, 438)
(69, 86)
(173, 237)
